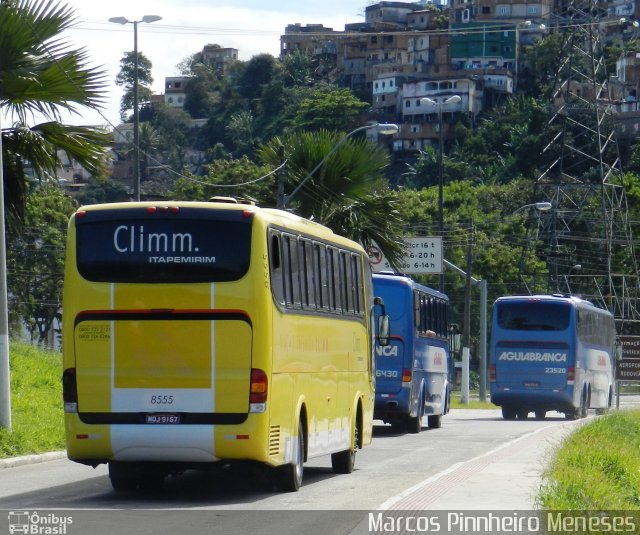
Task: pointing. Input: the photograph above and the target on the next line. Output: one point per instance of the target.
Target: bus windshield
(164, 249)
(534, 316)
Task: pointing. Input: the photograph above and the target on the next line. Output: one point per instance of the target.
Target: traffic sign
(423, 256)
(628, 369)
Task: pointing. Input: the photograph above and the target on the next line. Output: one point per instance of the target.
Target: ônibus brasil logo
(38, 523)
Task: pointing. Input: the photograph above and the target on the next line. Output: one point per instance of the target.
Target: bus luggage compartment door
(542, 367)
(144, 366)
(389, 367)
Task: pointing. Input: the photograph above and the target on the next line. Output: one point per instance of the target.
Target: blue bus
(413, 371)
(551, 353)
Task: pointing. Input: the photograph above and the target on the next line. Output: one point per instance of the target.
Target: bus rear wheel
(540, 414)
(414, 424)
(434, 421)
(509, 413)
(585, 404)
(344, 462)
(290, 475)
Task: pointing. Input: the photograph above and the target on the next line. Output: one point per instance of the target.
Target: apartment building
(624, 89)
(514, 11)
(219, 58)
(425, 103)
(174, 91)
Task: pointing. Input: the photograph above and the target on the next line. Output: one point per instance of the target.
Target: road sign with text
(628, 369)
(423, 256)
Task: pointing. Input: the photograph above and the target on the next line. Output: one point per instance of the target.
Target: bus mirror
(378, 301)
(383, 323)
(618, 348)
(383, 330)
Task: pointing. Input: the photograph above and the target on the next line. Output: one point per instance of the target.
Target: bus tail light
(70, 390)
(259, 390)
(492, 373)
(406, 375)
(571, 375)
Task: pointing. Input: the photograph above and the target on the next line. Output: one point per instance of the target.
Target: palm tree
(348, 193)
(40, 77)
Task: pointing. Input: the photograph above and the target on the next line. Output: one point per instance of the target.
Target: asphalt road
(476, 462)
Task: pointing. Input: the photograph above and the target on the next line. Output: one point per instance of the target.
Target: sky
(251, 26)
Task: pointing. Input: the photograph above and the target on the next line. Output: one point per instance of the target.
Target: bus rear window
(196, 246)
(534, 316)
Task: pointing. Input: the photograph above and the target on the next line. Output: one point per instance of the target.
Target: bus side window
(356, 279)
(286, 268)
(416, 310)
(331, 282)
(320, 261)
(442, 318)
(277, 280)
(338, 284)
(296, 273)
(307, 282)
(347, 287)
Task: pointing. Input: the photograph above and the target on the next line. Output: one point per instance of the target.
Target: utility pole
(466, 331)
(280, 198)
(5, 384)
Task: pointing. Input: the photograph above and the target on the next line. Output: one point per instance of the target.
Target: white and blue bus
(413, 371)
(551, 353)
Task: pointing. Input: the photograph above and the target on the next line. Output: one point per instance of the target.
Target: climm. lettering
(533, 356)
(133, 239)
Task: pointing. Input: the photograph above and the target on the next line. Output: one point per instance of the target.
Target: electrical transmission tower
(586, 234)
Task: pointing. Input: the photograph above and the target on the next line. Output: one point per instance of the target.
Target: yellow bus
(207, 332)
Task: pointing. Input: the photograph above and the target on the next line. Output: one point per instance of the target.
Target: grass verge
(597, 467)
(474, 403)
(36, 402)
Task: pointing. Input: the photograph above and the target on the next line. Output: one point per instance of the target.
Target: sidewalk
(12, 462)
(506, 478)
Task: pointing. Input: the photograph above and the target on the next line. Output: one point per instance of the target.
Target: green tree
(102, 190)
(241, 130)
(239, 178)
(544, 62)
(348, 193)
(174, 135)
(35, 261)
(257, 72)
(297, 69)
(481, 214)
(127, 76)
(500, 149)
(41, 74)
(327, 107)
(202, 87)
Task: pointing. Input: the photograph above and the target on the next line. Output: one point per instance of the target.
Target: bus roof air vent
(229, 200)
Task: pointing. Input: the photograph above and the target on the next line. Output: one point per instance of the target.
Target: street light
(577, 267)
(381, 128)
(453, 99)
(543, 206)
(136, 114)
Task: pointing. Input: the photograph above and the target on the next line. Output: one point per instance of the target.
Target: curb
(31, 459)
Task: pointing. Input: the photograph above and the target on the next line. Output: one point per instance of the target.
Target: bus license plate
(531, 384)
(163, 419)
